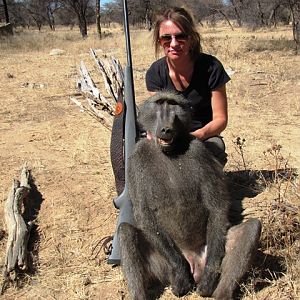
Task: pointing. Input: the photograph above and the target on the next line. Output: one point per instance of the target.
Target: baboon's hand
(182, 281)
(208, 283)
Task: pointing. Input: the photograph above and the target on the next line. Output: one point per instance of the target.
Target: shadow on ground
(32, 208)
(249, 184)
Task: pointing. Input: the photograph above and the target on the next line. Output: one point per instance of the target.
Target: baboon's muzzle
(166, 127)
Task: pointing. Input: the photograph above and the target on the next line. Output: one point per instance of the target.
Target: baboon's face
(166, 120)
(169, 125)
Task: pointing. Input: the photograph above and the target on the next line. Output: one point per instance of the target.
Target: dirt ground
(68, 151)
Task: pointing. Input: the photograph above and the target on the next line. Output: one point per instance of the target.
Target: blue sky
(105, 1)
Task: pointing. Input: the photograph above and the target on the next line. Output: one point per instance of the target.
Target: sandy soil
(68, 153)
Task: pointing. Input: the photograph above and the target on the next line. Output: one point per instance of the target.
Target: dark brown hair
(185, 22)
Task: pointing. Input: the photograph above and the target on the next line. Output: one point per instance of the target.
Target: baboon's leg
(143, 268)
(241, 246)
(132, 261)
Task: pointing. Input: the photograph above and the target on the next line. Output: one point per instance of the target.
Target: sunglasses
(167, 38)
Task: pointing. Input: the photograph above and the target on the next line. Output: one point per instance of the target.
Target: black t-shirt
(208, 75)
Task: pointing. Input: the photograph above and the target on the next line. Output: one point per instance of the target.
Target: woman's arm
(219, 118)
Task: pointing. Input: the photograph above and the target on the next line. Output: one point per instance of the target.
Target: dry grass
(68, 153)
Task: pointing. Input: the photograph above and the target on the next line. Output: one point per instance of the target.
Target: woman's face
(174, 41)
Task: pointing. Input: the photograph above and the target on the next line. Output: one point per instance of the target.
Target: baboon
(181, 236)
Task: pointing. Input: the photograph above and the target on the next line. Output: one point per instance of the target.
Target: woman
(200, 77)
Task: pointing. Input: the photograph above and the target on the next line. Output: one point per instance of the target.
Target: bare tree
(36, 11)
(107, 13)
(79, 7)
(272, 20)
(236, 4)
(220, 11)
(51, 8)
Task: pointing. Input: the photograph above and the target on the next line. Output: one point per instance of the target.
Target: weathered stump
(17, 229)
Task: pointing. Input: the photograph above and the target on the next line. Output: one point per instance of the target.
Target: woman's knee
(217, 146)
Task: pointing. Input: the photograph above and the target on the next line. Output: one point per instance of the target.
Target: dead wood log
(18, 230)
(90, 109)
(107, 121)
(87, 84)
(98, 105)
(112, 74)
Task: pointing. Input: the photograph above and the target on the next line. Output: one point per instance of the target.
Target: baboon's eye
(160, 101)
(168, 101)
(172, 102)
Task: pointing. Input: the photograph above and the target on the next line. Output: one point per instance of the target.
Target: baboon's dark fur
(180, 204)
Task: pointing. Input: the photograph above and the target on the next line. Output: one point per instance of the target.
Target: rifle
(124, 127)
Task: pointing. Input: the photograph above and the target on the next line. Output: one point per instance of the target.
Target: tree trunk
(98, 24)
(226, 18)
(50, 18)
(38, 23)
(6, 11)
(295, 11)
(237, 14)
(272, 18)
(148, 18)
(261, 14)
(82, 24)
(215, 10)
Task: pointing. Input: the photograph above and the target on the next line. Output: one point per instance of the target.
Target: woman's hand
(220, 116)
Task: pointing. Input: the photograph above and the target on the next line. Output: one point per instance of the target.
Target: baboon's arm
(217, 203)
(216, 239)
